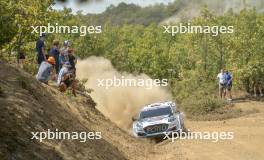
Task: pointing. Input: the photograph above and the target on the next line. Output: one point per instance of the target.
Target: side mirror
(134, 119)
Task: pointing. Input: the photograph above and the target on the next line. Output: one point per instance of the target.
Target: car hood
(154, 120)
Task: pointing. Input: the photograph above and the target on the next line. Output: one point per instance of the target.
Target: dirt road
(247, 144)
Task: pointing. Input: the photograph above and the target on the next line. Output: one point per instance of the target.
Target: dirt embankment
(27, 106)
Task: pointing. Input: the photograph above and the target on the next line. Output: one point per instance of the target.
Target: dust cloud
(119, 104)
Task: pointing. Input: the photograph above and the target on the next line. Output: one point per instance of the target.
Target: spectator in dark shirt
(72, 59)
(21, 58)
(40, 49)
(54, 52)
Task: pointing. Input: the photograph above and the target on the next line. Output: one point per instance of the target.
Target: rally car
(158, 119)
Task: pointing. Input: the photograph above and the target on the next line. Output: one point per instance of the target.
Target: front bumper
(157, 134)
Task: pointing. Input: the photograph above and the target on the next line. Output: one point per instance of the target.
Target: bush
(251, 74)
(197, 94)
(199, 105)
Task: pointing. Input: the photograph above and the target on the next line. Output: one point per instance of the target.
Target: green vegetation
(121, 14)
(136, 45)
(190, 61)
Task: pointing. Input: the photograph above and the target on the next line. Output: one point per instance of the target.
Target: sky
(98, 6)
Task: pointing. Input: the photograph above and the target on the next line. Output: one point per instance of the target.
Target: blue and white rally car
(158, 119)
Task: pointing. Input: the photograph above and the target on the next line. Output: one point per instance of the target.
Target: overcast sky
(98, 6)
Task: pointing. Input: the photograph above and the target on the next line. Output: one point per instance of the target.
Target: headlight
(139, 126)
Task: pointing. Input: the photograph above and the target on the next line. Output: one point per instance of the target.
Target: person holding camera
(66, 78)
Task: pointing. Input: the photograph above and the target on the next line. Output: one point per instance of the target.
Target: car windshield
(155, 112)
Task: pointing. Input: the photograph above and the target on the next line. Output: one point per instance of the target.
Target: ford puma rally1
(158, 119)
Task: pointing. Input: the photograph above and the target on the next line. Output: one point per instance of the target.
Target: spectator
(21, 58)
(54, 52)
(45, 70)
(40, 49)
(228, 87)
(66, 78)
(72, 59)
(221, 82)
(64, 53)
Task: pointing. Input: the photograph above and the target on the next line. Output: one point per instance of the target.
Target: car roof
(154, 106)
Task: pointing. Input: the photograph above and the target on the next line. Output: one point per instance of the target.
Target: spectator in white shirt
(222, 82)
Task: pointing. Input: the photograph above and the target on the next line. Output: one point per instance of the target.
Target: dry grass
(223, 113)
